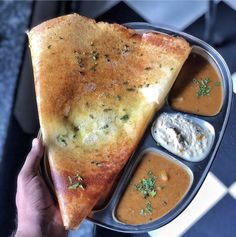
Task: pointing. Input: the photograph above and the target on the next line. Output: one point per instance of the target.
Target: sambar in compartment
(156, 187)
(198, 88)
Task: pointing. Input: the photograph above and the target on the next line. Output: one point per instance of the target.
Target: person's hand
(38, 215)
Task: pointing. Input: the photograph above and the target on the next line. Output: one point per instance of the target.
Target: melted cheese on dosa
(97, 87)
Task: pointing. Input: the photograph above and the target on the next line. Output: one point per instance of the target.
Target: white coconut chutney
(182, 136)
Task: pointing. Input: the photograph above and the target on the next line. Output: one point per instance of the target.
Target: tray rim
(151, 225)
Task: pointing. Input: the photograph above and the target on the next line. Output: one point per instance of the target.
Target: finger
(33, 159)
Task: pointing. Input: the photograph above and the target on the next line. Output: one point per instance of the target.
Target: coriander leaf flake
(203, 86)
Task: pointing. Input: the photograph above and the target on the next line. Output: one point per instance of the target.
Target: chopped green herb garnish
(149, 207)
(94, 162)
(118, 98)
(152, 193)
(70, 180)
(75, 182)
(217, 83)
(93, 68)
(76, 185)
(94, 55)
(147, 210)
(49, 46)
(80, 61)
(105, 126)
(150, 173)
(78, 177)
(172, 69)
(76, 128)
(147, 186)
(125, 82)
(125, 117)
(91, 116)
(142, 212)
(125, 49)
(203, 86)
(107, 110)
(61, 139)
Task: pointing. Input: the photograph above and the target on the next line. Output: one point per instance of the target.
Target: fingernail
(34, 142)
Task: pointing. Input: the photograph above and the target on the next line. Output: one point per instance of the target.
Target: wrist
(23, 233)
(29, 229)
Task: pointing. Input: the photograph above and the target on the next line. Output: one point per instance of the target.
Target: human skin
(37, 213)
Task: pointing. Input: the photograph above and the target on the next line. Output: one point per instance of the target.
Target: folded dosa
(97, 87)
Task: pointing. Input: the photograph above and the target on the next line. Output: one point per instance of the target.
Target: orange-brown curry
(198, 88)
(156, 187)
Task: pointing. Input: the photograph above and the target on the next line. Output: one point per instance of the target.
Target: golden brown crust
(97, 86)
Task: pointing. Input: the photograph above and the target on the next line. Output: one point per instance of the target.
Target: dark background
(219, 221)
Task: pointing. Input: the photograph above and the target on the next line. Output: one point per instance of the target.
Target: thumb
(32, 162)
